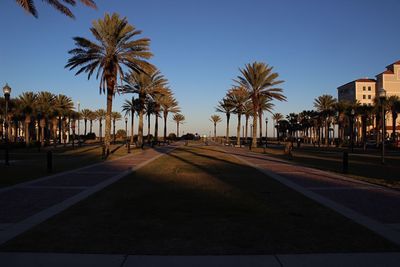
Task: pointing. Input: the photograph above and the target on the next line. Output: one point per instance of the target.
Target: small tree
(215, 119)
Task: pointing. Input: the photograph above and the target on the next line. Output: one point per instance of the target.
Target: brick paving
(378, 203)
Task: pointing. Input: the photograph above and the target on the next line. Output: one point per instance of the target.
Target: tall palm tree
(130, 107)
(92, 117)
(100, 115)
(215, 119)
(259, 80)
(247, 111)
(29, 6)
(394, 106)
(115, 116)
(115, 48)
(168, 105)
(277, 117)
(157, 99)
(238, 97)
(227, 107)
(325, 105)
(178, 118)
(86, 115)
(28, 105)
(146, 86)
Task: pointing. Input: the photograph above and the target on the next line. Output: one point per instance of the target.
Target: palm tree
(146, 86)
(63, 105)
(130, 107)
(215, 119)
(168, 105)
(100, 115)
(157, 99)
(277, 117)
(259, 80)
(115, 48)
(92, 117)
(325, 105)
(86, 115)
(28, 105)
(394, 106)
(45, 112)
(115, 116)
(29, 6)
(247, 111)
(178, 118)
(238, 97)
(150, 110)
(225, 106)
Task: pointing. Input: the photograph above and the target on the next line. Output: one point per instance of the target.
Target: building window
(363, 88)
(369, 88)
(364, 96)
(369, 96)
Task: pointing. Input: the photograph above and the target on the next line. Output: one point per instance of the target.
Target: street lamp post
(382, 98)
(79, 123)
(352, 130)
(7, 92)
(126, 131)
(266, 132)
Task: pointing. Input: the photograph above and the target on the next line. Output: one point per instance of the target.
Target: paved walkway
(376, 207)
(25, 205)
(300, 260)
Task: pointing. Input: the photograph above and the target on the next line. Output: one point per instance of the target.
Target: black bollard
(345, 162)
(49, 161)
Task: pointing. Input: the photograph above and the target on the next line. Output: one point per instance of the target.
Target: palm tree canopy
(169, 104)
(266, 104)
(100, 114)
(115, 48)
(225, 106)
(116, 116)
(130, 106)
(215, 119)
(86, 114)
(324, 103)
(178, 118)
(28, 102)
(63, 105)
(277, 117)
(60, 5)
(259, 79)
(238, 96)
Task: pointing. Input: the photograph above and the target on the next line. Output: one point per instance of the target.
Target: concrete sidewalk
(373, 206)
(295, 260)
(25, 205)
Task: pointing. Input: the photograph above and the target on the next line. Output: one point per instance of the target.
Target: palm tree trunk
(156, 127)
(165, 126)
(238, 129)
(177, 129)
(110, 94)
(215, 131)
(394, 118)
(228, 116)
(114, 131)
(85, 126)
(247, 127)
(140, 129)
(326, 132)
(132, 125)
(254, 141)
(101, 130)
(260, 122)
(59, 129)
(148, 128)
(91, 126)
(27, 137)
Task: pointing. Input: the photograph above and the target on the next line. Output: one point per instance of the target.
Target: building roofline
(358, 80)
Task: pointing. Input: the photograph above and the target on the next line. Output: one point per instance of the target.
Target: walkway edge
(367, 222)
(43, 215)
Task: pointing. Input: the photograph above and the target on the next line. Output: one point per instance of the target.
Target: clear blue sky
(316, 46)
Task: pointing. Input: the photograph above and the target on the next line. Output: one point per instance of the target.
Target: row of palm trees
(318, 125)
(252, 95)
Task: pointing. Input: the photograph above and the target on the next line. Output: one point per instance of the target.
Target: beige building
(362, 90)
(365, 90)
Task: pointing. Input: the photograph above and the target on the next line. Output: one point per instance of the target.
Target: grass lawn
(198, 200)
(362, 166)
(28, 164)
